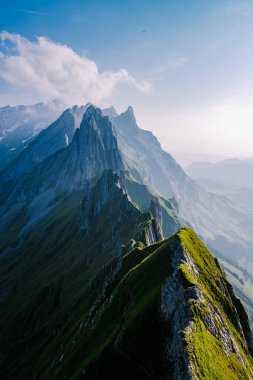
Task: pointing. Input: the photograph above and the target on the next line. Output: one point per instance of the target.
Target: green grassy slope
(242, 284)
(126, 334)
(209, 356)
(75, 309)
(45, 287)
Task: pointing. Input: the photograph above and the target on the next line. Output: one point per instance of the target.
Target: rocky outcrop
(175, 309)
(110, 186)
(153, 232)
(187, 303)
(156, 210)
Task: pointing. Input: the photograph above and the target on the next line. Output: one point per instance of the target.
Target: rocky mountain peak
(126, 120)
(130, 115)
(130, 110)
(96, 140)
(77, 112)
(92, 150)
(92, 111)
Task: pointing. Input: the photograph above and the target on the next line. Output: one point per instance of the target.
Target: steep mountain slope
(19, 125)
(92, 150)
(181, 321)
(242, 282)
(222, 224)
(165, 211)
(78, 304)
(47, 285)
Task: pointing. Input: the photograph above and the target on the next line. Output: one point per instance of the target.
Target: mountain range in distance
(101, 273)
(231, 178)
(20, 124)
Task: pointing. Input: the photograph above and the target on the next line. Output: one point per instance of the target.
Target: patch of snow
(66, 139)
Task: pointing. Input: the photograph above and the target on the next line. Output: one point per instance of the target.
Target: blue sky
(189, 64)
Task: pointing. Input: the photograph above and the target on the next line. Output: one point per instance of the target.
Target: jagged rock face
(153, 232)
(111, 187)
(156, 209)
(188, 305)
(94, 147)
(57, 136)
(164, 211)
(108, 187)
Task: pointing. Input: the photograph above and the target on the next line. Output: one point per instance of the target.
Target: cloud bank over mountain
(45, 70)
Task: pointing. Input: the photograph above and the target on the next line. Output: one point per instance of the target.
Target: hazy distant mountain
(19, 125)
(186, 159)
(111, 112)
(234, 173)
(232, 178)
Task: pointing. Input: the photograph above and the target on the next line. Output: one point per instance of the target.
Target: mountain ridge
(89, 286)
(147, 163)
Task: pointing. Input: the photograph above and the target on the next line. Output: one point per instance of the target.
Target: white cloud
(44, 70)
